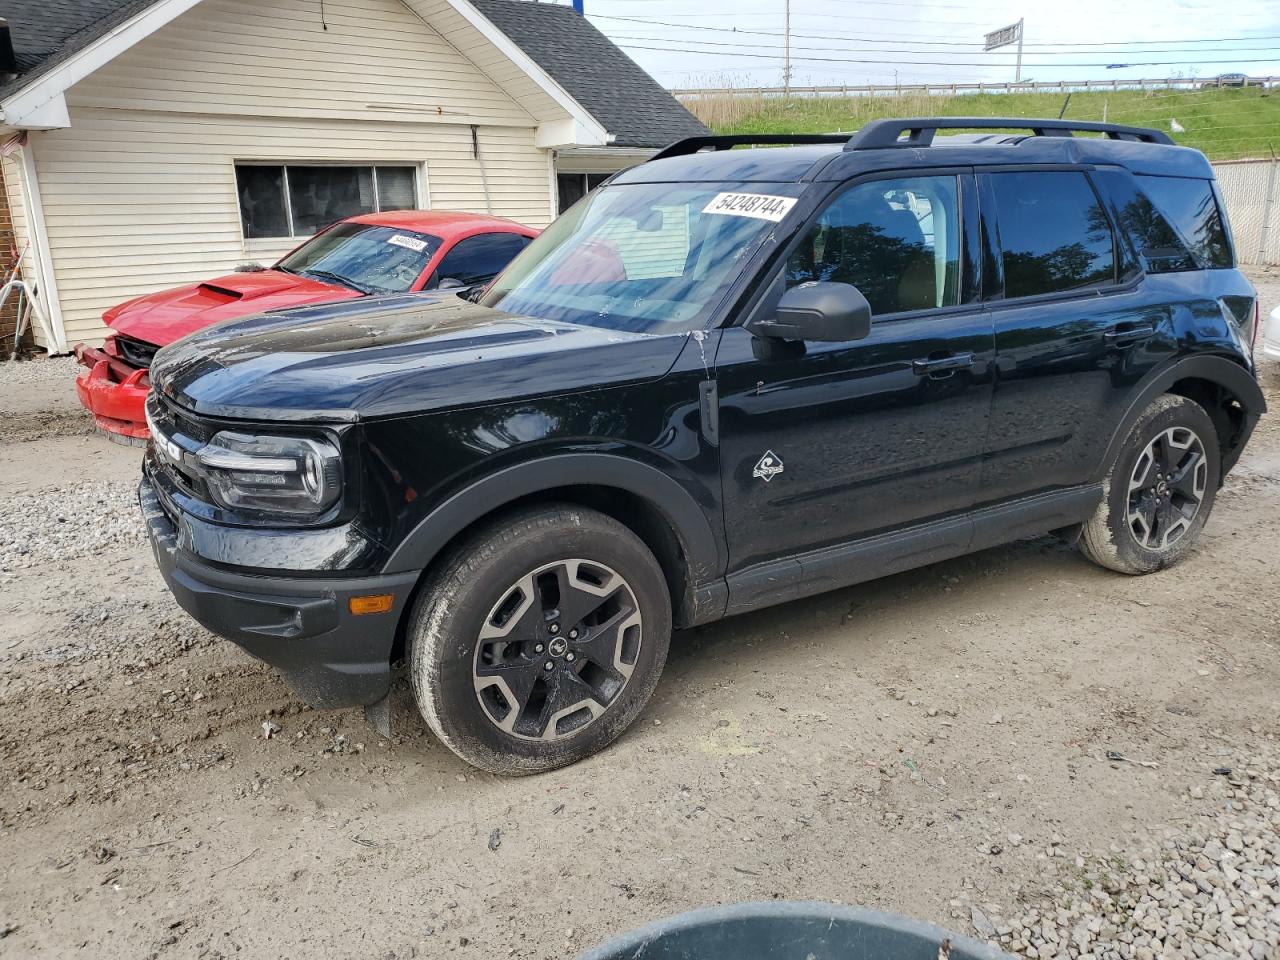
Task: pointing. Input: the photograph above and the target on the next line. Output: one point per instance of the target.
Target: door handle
(933, 366)
(1129, 333)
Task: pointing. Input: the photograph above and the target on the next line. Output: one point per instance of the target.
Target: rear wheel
(540, 641)
(1159, 491)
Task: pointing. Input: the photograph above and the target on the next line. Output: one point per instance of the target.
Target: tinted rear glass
(1054, 233)
(1189, 206)
(1154, 239)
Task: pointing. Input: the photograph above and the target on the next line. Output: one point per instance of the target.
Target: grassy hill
(1225, 123)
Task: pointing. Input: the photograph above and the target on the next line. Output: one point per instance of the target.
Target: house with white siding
(150, 143)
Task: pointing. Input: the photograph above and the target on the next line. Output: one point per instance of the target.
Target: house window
(296, 200)
(572, 187)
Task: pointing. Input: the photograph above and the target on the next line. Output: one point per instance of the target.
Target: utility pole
(786, 70)
(1017, 74)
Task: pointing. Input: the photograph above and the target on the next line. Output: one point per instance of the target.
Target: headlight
(286, 476)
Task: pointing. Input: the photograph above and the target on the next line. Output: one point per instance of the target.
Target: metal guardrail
(942, 89)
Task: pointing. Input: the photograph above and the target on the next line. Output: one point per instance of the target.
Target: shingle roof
(624, 99)
(611, 87)
(47, 32)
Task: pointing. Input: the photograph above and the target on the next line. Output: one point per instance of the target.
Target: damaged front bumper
(304, 627)
(113, 390)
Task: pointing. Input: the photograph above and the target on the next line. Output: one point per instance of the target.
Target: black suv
(726, 379)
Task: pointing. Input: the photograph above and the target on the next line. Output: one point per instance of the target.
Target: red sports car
(377, 253)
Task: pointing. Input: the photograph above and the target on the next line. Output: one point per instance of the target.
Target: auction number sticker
(762, 206)
(412, 243)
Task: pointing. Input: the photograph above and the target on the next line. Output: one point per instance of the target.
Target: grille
(136, 352)
(176, 433)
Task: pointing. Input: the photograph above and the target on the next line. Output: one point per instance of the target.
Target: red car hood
(169, 315)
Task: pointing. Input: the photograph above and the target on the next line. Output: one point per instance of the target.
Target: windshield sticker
(758, 205)
(412, 243)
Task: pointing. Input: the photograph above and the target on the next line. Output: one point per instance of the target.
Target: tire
(1158, 493)
(544, 609)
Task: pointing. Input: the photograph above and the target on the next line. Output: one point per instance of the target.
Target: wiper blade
(337, 278)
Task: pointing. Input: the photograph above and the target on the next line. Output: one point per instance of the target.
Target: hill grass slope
(1226, 124)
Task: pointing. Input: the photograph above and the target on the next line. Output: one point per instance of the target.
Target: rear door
(824, 443)
(1073, 328)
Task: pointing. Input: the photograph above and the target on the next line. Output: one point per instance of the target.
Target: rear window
(1054, 233)
(1188, 204)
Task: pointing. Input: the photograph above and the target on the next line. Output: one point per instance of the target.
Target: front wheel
(1159, 491)
(538, 642)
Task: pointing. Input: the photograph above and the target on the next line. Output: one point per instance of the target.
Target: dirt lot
(931, 743)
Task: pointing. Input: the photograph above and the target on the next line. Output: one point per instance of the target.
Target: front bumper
(301, 626)
(114, 391)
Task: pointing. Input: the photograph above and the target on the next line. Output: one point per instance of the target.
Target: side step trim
(842, 565)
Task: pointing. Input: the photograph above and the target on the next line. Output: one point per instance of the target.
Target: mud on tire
(538, 641)
(1158, 492)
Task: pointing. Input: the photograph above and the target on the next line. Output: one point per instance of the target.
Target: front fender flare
(688, 520)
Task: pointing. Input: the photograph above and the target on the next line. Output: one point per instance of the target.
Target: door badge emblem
(770, 466)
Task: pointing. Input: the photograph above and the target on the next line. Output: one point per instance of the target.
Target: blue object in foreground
(779, 930)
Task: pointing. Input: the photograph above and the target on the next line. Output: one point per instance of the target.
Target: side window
(1189, 205)
(480, 258)
(1054, 233)
(897, 241)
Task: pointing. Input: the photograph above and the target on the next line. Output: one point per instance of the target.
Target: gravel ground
(84, 518)
(1015, 744)
(44, 370)
(1210, 890)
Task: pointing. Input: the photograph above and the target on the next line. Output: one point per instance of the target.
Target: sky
(739, 42)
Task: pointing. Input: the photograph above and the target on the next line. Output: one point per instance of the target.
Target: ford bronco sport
(726, 379)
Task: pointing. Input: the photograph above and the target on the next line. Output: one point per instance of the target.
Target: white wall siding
(377, 59)
(137, 201)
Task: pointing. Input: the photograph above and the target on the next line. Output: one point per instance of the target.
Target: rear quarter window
(1189, 206)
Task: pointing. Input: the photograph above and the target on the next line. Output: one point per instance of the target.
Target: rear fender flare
(1226, 373)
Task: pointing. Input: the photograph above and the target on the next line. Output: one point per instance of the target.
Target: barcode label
(413, 243)
(758, 205)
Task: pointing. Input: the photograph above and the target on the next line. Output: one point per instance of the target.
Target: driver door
(823, 444)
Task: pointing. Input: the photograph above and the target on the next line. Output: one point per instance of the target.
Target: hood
(164, 317)
(393, 356)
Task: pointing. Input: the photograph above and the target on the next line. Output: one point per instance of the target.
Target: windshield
(644, 257)
(364, 257)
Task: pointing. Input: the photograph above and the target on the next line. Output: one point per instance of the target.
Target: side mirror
(449, 283)
(821, 311)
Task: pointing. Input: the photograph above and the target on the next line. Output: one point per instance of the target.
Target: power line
(937, 63)
(883, 39)
(997, 53)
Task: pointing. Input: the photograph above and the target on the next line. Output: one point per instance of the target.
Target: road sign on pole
(1002, 38)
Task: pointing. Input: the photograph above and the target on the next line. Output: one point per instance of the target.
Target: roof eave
(40, 104)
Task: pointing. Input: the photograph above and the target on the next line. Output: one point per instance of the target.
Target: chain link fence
(1251, 191)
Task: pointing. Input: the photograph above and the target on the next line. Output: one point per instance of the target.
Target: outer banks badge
(770, 466)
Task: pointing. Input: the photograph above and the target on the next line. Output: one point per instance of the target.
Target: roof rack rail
(919, 132)
(690, 145)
